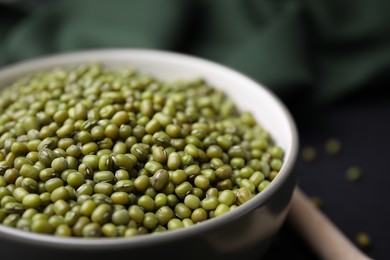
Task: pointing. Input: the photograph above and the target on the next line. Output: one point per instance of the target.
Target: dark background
(328, 61)
(362, 126)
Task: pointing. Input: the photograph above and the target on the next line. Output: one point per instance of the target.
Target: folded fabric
(320, 51)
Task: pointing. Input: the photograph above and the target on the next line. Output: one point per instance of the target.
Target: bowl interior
(248, 94)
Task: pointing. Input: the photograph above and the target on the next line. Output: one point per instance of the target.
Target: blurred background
(329, 61)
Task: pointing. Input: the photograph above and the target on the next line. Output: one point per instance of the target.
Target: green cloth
(319, 50)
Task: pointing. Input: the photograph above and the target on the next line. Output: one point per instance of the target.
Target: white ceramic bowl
(244, 233)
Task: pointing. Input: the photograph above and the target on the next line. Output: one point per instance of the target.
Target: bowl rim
(74, 57)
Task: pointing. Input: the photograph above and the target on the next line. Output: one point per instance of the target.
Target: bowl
(244, 233)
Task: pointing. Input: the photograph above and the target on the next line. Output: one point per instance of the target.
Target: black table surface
(363, 128)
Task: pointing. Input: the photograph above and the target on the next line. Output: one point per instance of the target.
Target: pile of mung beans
(92, 151)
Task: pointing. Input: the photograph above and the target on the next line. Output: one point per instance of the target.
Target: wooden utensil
(319, 232)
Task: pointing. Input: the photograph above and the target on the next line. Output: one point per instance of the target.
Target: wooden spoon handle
(319, 232)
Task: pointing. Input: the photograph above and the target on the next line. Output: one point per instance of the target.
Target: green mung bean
(100, 153)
